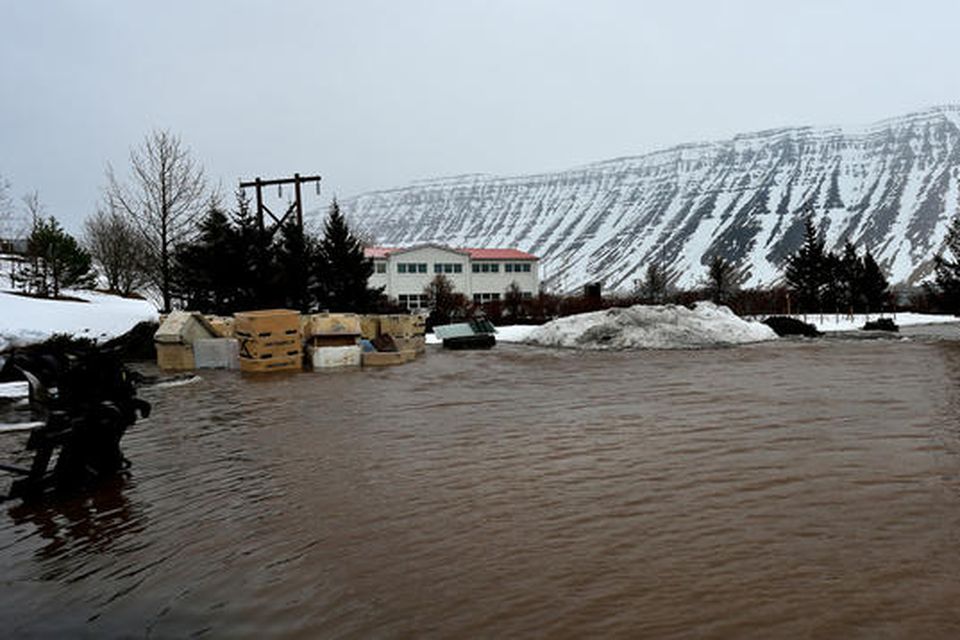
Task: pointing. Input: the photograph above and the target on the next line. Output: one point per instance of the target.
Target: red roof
(499, 254)
(476, 254)
(376, 252)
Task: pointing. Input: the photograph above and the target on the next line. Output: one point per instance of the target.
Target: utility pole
(295, 208)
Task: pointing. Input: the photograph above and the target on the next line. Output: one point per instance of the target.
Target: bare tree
(13, 224)
(7, 211)
(117, 248)
(164, 198)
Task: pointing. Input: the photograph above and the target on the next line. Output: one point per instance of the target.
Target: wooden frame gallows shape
(295, 208)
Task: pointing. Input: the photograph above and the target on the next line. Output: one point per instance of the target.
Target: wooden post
(296, 208)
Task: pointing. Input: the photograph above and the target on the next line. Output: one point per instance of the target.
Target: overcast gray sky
(376, 94)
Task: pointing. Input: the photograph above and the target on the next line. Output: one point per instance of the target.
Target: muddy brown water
(797, 489)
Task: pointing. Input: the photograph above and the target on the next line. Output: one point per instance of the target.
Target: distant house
(483, 275)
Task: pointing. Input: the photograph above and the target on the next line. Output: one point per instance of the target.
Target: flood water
(793, 489)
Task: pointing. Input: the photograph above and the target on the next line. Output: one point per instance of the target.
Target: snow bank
(25, 320)
(651, 327)
(833, 322)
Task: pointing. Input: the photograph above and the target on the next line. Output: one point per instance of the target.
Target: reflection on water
(807, 488)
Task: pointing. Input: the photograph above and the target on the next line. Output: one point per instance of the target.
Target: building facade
(483, 275)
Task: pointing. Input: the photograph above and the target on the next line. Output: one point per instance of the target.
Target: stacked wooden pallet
(270, 340)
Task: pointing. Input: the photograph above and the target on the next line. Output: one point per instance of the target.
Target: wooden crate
(403, 326)
(333, 341)
(286, 363)
(333, 324)
(223, 325)
(334, 357)
(269, 340)
(175, 357)
(417, 344)
(369, 327)
(270, 324)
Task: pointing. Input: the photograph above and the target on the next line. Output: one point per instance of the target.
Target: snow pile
(25, 320)
(651, 327)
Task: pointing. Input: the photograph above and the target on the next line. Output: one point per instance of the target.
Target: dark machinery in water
(88, 399)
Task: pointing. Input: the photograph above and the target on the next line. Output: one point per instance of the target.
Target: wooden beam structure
(295, 208)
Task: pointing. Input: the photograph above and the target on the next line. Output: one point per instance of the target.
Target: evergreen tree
(851, 279)
(833, 291)
(946, 285)
(874, 285)
(656, 284)
(256, 287)
(346, 269)
(514, 303)
(722, 281)
(804, 271)
(56, 260)
(296, 260)
(206, 268)
(444, 302)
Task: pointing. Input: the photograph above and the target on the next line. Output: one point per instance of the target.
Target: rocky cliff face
(891, 187)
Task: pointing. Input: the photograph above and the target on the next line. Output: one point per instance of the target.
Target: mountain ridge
(890, 186)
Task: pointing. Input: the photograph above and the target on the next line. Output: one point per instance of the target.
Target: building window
(411, 267)
(476, 268)
(447, 267)
(508, 267)
(381, 267)
(482, 298)
(526, 267)
(527, 295)
(401, 267)
(412, 301)
(422, 267)
(522, 267)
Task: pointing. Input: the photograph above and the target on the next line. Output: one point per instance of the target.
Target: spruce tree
(346, 269)
(56, 260)
(851, 279)
(206, 269)
(656, 284)
(723, 279)
(295, 261)
(874, 285)
(252, 259)
(804, 270)
(946, 284)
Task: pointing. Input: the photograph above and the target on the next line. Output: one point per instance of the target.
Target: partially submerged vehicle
(477, 333)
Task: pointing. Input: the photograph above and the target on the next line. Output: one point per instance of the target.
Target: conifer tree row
(823, 281)
(230, 268)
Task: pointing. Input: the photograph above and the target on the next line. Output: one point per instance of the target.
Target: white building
(483, 275)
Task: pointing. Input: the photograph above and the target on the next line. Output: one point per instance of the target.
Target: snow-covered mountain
(891, 187)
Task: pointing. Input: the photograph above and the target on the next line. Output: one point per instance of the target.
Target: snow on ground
(25, 320)
(651, 327)
(833, 322)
